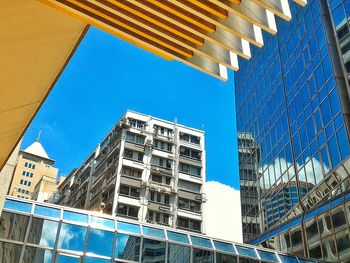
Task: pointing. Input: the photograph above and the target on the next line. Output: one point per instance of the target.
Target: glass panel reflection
(128, 247)
(47, 211)
(100, 242)
(153, 232)
(178, 253)
(264, 255)
(66, 259)
(36, 255)
(153, 251)
(245, 251)
(72, 237)
(10, 253)
(13, 226)
(225, 247)
(222, 258)
(178, 237)
(72, 216)
(98, 221)
(202, 242)
(43, 232)
(343, 244)
(96, 260)
(202, 256)
(18, 206)
(131, 228)
(288, 259)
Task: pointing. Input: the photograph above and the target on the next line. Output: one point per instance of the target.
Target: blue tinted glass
(177, 237)
(96, 260)
(100, 242)
(72, 216)
(245, 251)
(306, 261)
(226, 247)
(47, 211)
(202, 256)
(43, 232)
(98, 221)
(323, 208)
(132, 228)
(153, 251)
(337, 201)
(128, 247)
(33, 254)
(18, 206)
(202, 242)
(267, 256)
(295, 222)
(288, 259)
(72, 237)
(153, 232)
(178, 253)
(66, 259)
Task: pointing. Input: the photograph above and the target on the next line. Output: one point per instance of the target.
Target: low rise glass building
(32, 232)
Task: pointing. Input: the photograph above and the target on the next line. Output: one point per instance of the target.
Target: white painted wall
(222, 213)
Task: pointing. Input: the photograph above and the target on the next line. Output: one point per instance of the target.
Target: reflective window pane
(225, 258)
(202, 256)
(18, 206)
(66, 259)
(13, 226)
(43, 232)
(72, 237)
(100, 242)
(10, 253)
(225, 247)
(178, 253)
(36, 255)
(153, 251)
(178, 237)
(245, 251)
(153, 232)
(47, 211)
(202, 242)
(131, 228)
(128, 247)
(72, 216)
(96, 260)
(98, 221)
(264, 255)
(288, 259)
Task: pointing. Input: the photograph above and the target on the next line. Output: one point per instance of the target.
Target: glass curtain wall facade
(292, 98)
(34, 232)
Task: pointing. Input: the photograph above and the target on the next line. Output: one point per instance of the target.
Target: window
(137, 123)
(158, 217)
(159, 198)
(25, 164)
(134, 138)
(129, 191)
(19, 190)
(131, 172)
(24, 173)
(189, 138)
(163, 146)
(29, 183)
(126, 210)
(162, 130)
(189, 224)
(162, 162)
(33, 166)
(190, 169)
(125, 251)
(27, 192)
(157, 178)
(153, 250)
(133, 155)
(190, 153)
(21, 181)
(161, 179)
(189, 205)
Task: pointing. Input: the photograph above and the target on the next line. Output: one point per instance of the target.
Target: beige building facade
(32, 164)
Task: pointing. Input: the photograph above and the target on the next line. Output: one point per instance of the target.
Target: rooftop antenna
(38, 139)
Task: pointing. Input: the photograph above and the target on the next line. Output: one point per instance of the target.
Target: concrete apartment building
(32, 164)
(145, 168)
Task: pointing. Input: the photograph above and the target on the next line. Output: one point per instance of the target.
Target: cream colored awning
(36, 42)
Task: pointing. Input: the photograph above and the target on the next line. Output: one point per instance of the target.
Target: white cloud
(222, 212)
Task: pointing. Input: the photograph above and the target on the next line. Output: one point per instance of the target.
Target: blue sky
(107, 76)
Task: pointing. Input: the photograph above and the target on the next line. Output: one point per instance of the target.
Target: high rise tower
(292, 97)
(147, 169)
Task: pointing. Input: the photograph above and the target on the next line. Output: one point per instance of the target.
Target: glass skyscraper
(292, 100)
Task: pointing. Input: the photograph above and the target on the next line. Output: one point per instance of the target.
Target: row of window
(189, 205)
(23, 191)
(25, 182)
(190, 153)
(29, 165)
(28, 174)
(182, 222)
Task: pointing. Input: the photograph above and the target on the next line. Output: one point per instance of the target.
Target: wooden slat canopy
(205, 34)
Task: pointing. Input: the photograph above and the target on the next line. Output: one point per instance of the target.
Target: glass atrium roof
(49, 233)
